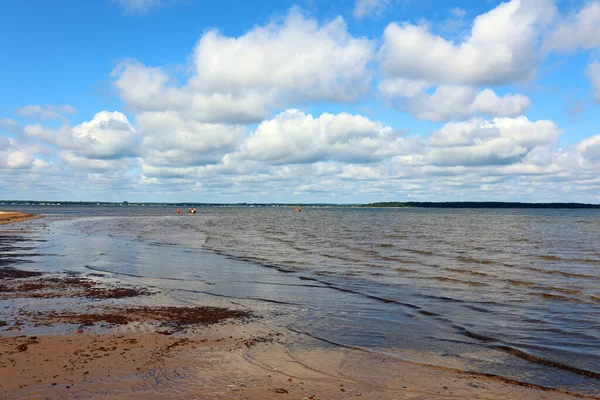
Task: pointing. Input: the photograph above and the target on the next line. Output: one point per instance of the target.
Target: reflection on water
(509, 293)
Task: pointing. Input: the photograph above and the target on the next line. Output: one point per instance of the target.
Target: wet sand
(67, 336)
(9, 217)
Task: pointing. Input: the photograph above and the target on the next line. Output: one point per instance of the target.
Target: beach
(129, 352)
(68, 333)
(8, 217)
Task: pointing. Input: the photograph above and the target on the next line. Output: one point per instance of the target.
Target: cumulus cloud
(500, 49)
(109, 135)
(363, 8)
(292, 60)
(451, 102)
(520, 130)
(298, 58)
(147, 89)
(577, 31)
(171, 140)
(593, 73)
(15, 155)
(46, 112)
(501, 141)
(295, 137)
(590, 148)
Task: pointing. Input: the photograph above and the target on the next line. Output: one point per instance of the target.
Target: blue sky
(305, 101)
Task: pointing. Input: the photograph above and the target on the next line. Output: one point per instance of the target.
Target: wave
(547, 362)
(559, 297)
(467, 271)
(471, 260)
(501, 378)
(452, 280)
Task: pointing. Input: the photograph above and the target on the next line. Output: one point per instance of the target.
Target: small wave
(559, 297)
(561, 273)
(565, 290)
(478, 309)
(422, 252)
(478, 336)
(467, 271)
(471, 260)
(467, 372)
(550, 258)
(454, 280)
(385, 245)
(549, 363)
(566, 259)
(400, 260)
(378, 298)
(336, 257)
(377, 266)
(520, 283)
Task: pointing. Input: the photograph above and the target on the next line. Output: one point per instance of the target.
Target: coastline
(66, 335)
(9, 217)
(111, 348)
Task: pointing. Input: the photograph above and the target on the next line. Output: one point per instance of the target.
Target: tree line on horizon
(478, 204)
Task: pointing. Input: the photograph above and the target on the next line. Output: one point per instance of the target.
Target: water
(510, 293)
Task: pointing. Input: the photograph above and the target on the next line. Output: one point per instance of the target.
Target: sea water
(514, 293)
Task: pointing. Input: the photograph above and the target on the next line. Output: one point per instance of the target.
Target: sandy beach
(9, 217)
(69, 335)
(101, 349)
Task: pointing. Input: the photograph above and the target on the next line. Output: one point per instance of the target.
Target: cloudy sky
(339, 101)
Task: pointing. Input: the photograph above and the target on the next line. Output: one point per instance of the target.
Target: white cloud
(298, 59)
(15, 155)
(590, 148)
(293, 60)
(502, 141)
(171, 140)
(109, 135)
(500, 49)
(451, 102)
(46, 112)
(138, 6)
(81, 163)
(593, 73)
(363, 8)
(148, 89)
(578, 31)
(295, 137)
(520, 130)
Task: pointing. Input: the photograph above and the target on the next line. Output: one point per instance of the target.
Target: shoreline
(9, 217)
(64, 335)
(67, 345)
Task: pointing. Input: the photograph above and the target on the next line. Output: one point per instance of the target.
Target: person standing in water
(178, 211)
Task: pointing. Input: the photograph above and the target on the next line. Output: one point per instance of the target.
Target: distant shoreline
(482, 204)
(392, 204)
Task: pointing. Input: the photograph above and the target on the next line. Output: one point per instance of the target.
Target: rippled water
(512, 293)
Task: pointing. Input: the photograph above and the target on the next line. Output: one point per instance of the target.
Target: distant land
(479, 204)
(389, 204)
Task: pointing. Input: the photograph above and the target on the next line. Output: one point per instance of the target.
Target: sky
(338, 101)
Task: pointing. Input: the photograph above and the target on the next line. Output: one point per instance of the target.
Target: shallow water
(512, 293)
